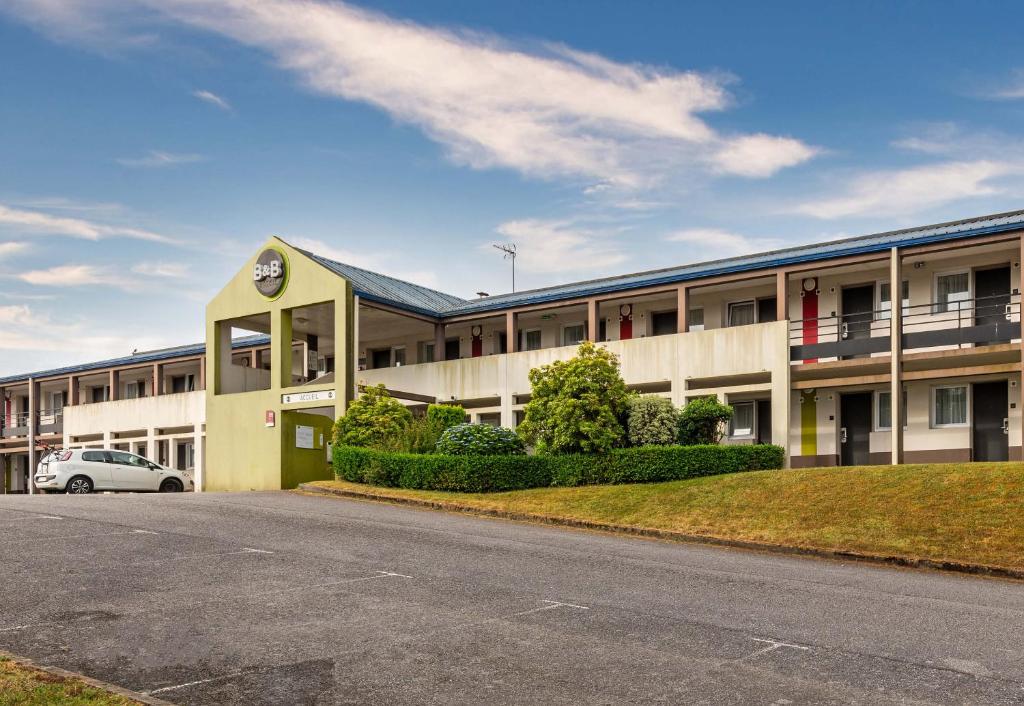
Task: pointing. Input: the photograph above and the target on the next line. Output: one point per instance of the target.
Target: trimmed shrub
(419, 436)
(374, 419)
(481, 474)
(479, 440)
(577, 405)
(653, 421)
(702, 421)
(444, 416)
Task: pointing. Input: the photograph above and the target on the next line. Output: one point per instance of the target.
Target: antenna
(510, 252)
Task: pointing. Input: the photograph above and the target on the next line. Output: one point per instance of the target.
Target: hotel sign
(318, 396)
(270, 274)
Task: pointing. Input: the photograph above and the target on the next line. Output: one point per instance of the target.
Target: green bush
(444, 416)
(419, 436)
(481, 474)
(703, 421)
(374, 419)
(577, 405)
(653, 421)
(479, 440)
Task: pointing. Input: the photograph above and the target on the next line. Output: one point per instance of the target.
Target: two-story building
(805, 343)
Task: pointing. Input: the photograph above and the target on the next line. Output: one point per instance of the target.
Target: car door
(97, 465)
(132, 472)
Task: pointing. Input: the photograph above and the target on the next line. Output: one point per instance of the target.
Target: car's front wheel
(79, 485)
(171, 486)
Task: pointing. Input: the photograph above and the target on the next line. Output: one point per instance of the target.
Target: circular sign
(270, 273)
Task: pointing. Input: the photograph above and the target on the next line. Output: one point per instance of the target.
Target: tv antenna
(510, 252)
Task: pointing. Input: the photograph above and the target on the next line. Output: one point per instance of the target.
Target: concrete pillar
(782, 296)
(896, 354)
(33, 412)
(592, 326)
(682, 309)
(339, 336)
(72, 391)
(254, 358)
(439, 342)
(281, 349)
(781, 394)
(202, 373)
(115, 383)
(220, 356)
(198, 439)
(511, 331)
(151, 453)
(158, 379)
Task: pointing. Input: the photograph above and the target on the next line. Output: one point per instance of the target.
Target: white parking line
(772, 645)
(77, 536)
(33, 517)
(551, 606)
(196, 683)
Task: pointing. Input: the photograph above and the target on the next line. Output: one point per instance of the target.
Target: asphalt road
(276, 598)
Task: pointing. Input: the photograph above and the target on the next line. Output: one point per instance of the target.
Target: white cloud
(80, 276)
(213, 99)
(38, 221)
(546, 111)
(908, 191)
(387, 263)
(1011, 89)
(708, 243)
(11, 248)
(549, 246)
(157, 158)
(169, 270)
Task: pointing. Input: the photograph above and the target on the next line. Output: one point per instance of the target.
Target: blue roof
(423, 300)
(186, 351)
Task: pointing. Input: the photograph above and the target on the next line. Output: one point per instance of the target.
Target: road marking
(34, 517)
(254, 551)
(141, 531)
(771, 646)
(551, 606)
(195, 683)
(76, 536)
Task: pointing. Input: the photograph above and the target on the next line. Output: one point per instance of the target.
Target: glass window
(741, 313)
(96, 456)
(742, 419)
(883, 415)
(381, 358)
(885, 300)
(532, 340)
(428, 352)
(696, 322)
(573, 334)
(951, 405)
(951, 290)
(398, 356)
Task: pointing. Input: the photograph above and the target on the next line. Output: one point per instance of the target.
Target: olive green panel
(242, 453)
(301, 465)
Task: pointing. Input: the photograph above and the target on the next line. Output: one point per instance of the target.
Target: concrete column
(281, 347)
(682, 309)
(896, 353)
(202, 373)
(254, 358)
(592, 327)
(198, 442)
(151, 453)
(781, 394)
(158, 379)
(511, 331)
(220, 355)
(438, 342)
(33, 412)
(115, 383)
(354, 342)
(72, 391)
(782, 296)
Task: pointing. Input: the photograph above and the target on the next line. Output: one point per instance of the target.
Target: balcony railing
(47, 422)
(967, 322)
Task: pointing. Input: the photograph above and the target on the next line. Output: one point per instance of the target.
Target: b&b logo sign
(270, 273)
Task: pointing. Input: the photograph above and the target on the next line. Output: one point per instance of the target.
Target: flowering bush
(479, 440)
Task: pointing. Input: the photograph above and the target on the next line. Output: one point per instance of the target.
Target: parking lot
(270, 598)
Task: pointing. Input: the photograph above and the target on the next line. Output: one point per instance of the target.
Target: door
(131, 472)
(858, 304)
(97, 465)
(764, 421)
(855, 428)
(992, 292)
(990, 433)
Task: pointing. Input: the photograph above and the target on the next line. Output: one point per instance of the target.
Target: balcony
(964, 323)
(47, 422)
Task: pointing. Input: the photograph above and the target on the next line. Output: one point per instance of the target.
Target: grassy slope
(970, 513)
(26, 686)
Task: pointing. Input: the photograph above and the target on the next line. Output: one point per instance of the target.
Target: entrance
(992, 292)
(855, 430)
(764, 421)
(858, 305)
(990, 434)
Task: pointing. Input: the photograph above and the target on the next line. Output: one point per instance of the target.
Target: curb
(674, 536)
(112, 688)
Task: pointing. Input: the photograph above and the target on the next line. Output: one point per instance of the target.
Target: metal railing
(16, 423)
(854, 334)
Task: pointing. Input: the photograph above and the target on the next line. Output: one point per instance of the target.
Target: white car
(80, 471)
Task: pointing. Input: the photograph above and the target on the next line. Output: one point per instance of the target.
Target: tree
(375, 419)
(702, 421)
(577, 405)
(653, 421)
(443, 416)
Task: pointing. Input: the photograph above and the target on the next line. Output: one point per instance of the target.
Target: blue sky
(147, 148)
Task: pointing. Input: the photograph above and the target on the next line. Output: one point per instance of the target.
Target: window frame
(689, 318)
(944, 307)
(581, 325)
(933, 397)
(526, 339)
(728, 311)
(752, 432)
(663, 312)
(904, 303)
(394, 357)
(876, 424)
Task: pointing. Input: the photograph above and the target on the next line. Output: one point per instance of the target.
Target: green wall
(302, 465)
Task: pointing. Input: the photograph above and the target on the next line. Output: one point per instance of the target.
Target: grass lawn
(25, 686)
(971, 513)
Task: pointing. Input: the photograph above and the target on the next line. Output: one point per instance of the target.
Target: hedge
(482, 474)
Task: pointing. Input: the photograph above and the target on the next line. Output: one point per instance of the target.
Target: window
(742, 313)
(696, 322)
(663, 323)
(381, 358)
(742, 424)
(183, 383)
(127, 459)
(531, 340)
(502, 342)
(885, 300)
(573, 334)
(96, 456)
(951, 290)
(950, 406)
(398, 356)
(883, 410)
(427, 352)
(134, 390)
(767, 309)
(99, 394)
